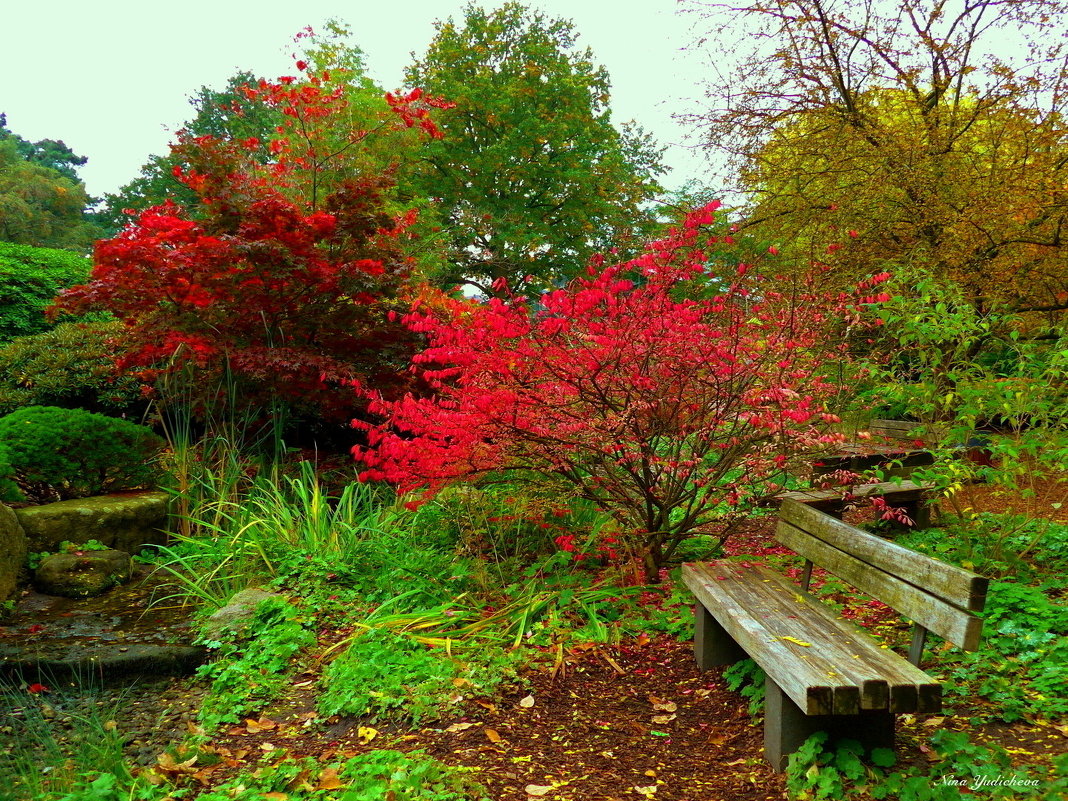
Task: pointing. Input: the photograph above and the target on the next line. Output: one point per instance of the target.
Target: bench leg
(786, 727)
(712, 645)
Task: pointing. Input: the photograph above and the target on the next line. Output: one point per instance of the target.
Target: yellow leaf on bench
(796, 641)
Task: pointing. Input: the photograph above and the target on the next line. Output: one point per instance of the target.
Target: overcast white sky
(111, 78)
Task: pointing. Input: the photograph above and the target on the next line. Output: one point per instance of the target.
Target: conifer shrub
(62, 454)
(9, 490)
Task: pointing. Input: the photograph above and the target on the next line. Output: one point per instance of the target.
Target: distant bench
(912, 496)
(900, 446)
(823, 672)
(896, 441)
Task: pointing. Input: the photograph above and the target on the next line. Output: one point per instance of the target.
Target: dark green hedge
(30, 278)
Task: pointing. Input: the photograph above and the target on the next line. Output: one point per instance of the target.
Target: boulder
(127, 522)
(82, 574)
(239, 609)
(12, 551)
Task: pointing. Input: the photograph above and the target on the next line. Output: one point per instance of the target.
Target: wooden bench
(824, 672)
(912, 496)
(894, 445)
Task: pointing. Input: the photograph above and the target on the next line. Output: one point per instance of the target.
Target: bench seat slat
(842, 672)
(955, 585)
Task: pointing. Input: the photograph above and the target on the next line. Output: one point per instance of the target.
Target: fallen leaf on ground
(263, 724)
(538, 789)
(492, 735)
(648, 792)
(455, 727)
(328, 780)
(169, 764)
(527, 703)
(366, 734)
(666, 706)
(663, 718)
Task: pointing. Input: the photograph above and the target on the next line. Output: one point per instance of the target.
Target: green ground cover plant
(962, 770)
(42, 763)
(252, 664)
(387, 675)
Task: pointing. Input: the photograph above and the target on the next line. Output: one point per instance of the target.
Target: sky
(112, 78)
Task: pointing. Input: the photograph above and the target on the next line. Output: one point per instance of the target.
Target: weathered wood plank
(951, 622)
(910, 689)
(760, 608)
(884, 678)
(804, 680)
(954, 585)
(893, 425)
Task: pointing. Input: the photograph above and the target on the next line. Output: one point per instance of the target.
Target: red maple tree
(284, 272)
(671, 399)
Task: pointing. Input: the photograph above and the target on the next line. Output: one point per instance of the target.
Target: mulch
(638, 721)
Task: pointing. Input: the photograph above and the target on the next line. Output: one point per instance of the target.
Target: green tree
(40, 206)
(531, 178)
(50, 153)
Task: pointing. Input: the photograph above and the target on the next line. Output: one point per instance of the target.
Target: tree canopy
(222, 112)
(531, 177)
(900, 131)
(42, 201)
(51, 153)
(282, 276)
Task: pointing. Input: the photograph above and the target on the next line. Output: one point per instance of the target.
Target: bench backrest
(894, 429)
(906, 431)
(938, 597)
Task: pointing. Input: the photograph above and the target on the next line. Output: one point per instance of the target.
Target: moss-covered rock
(82, 574)
(12, 551)
(127, 522)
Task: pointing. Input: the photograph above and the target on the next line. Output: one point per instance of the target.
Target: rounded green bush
(60, 454)
(9, 490)
(72, 366)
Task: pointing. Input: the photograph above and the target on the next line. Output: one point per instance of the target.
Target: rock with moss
(240, 609)
(129, 522)
(12, 552)
(82, 574)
